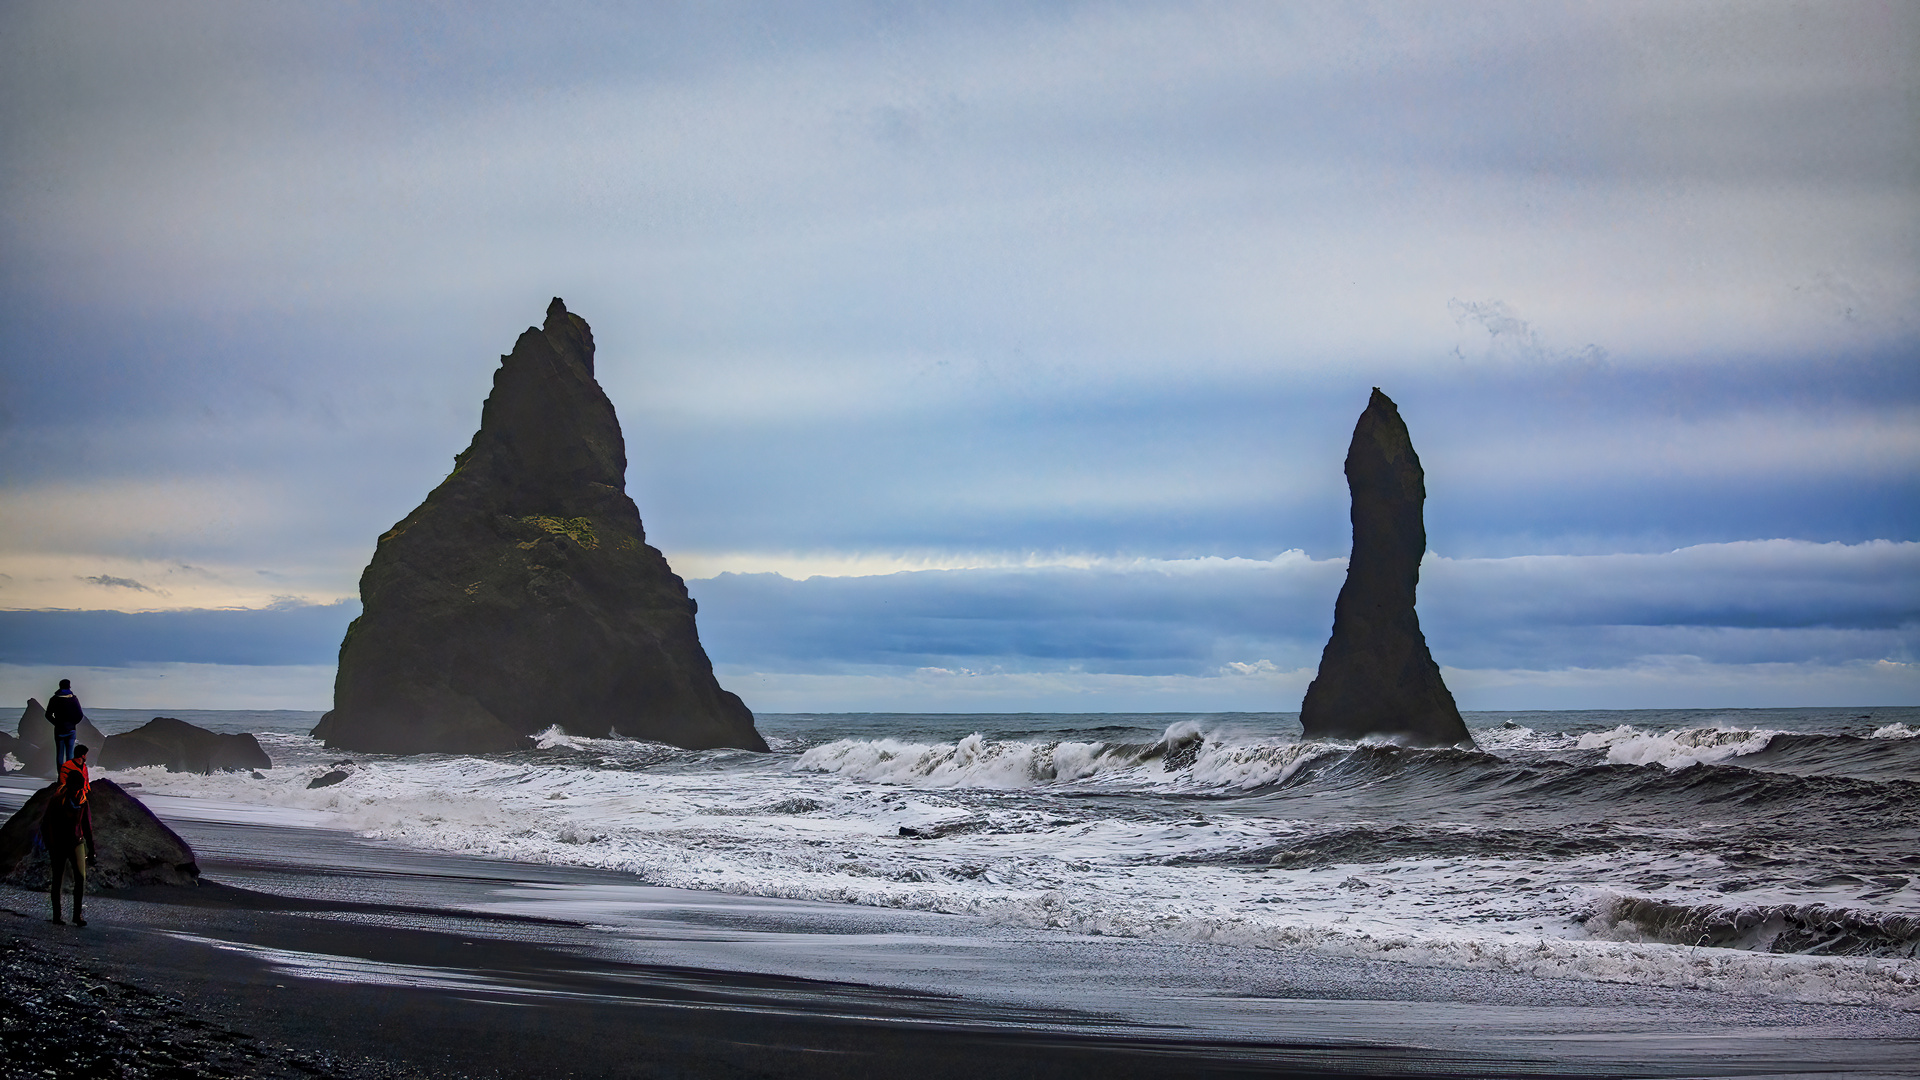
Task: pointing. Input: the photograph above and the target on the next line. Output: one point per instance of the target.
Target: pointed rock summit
(522, 593)
(1376, 675)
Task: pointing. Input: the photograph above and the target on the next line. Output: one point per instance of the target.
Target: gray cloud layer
(286, 635)
(1743, 603)
(1735, 603)
(1089, 279)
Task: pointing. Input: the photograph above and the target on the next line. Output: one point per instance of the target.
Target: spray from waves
(1627, 745)
(1184, 757)
(1891, 752)
(1887, 755)
(1674, 768)
(972, 762)
(1410, 889)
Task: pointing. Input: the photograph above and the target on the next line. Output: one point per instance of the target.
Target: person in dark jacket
(67, 830)
(64, 713)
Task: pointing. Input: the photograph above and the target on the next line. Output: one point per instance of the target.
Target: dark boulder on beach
(1376, 676)
(522, 593)
(136, 848)
(182, 747)
(35, 748)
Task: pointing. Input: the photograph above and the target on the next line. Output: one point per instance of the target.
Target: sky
(984, 357)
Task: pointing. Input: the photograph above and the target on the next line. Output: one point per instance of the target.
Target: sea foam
(1201, 834)
(1628, 745)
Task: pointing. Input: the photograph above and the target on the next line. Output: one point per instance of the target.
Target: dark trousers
(75, 859)
(63, 747)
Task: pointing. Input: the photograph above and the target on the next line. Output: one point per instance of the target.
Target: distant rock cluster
(174, 744)
(33, 745)
(183, 747)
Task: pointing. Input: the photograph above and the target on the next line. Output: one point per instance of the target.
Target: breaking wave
(1810, 929)
(1731, 854)
(1183, 757)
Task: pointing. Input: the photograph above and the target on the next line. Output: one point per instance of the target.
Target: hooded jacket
(63, 711)
(68, 819)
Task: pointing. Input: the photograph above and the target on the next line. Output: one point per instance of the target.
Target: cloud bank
(1067, 308)
(1190, 635)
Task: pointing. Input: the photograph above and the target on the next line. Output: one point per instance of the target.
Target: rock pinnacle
(523, 594)
(1376, 676)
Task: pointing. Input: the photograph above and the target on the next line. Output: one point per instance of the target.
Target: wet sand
(372, 960)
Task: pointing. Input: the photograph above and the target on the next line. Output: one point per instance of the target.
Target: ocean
(1767, 852)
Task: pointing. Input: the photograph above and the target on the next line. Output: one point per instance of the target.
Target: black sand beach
(315, 953)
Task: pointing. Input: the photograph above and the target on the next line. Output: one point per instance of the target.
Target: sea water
(1772, 852)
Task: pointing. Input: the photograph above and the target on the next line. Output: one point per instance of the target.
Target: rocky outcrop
(523, 594)
(1376, 676)
(136, 848)
(182, 747)
(35, 749)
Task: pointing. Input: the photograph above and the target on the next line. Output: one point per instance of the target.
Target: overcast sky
(980, 357)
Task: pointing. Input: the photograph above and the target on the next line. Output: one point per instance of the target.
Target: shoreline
(393, 961)
(342, 995)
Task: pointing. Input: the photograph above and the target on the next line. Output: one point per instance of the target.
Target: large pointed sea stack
(522, 593)
(1376, 675)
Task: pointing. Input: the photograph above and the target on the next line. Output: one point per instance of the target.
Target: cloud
(1688, 682)
(168, 687)
(1144, 617)
(49, 581)
(1745, 602)
(1676, 683)
(1150, 181)
(1014, 297)
(1748, 602)
(110, 581)
(1776, 584)
(1512, 338)
(942, 690)
(1225, 633)
(284, 635)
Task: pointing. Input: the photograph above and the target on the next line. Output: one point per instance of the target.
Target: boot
(79, 883)
(53, 893)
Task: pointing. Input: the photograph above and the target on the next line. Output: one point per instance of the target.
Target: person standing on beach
(67, 830)
(64, 713)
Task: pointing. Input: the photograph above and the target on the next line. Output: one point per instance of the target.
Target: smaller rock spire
(1376, 676)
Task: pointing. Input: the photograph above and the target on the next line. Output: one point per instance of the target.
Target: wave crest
(1812, 929)
(1679, 749)
(1185, 757)
(974, 761)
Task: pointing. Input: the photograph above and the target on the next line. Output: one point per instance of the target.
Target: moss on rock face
(577, 529)
(522, 593)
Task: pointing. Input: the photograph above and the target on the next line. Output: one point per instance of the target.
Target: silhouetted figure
(65, 714)
(67, 831)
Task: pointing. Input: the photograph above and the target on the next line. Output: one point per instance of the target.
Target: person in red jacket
(67, 830)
